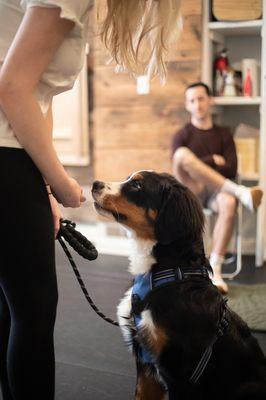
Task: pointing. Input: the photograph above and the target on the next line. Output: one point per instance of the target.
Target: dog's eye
(136, 184)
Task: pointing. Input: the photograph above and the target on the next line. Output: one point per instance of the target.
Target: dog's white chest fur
(141, 258)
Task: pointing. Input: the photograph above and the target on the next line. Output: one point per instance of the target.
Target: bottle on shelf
(248, 84)
(229, 87)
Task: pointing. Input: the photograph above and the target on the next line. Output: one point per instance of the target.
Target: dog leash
(85, 249)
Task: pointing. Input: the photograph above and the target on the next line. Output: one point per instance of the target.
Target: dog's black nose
(97, 185)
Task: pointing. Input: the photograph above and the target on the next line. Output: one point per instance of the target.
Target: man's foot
(256, 194)
(250, 197)
(218, 281)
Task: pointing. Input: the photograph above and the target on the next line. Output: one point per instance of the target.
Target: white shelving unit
(236, 28)
(237, 101)
(216, 35)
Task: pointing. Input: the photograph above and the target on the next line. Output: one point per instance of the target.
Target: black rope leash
(84, 248)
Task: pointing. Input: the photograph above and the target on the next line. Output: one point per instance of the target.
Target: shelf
(236, 28)
(237, 101)
(249, 177)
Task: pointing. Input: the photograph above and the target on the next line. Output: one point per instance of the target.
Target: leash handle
(76, 240)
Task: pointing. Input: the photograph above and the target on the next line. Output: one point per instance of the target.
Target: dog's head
(155, 206)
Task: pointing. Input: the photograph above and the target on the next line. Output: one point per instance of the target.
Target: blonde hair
(138, 33)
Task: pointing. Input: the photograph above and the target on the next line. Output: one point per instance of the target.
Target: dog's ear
(180, 217)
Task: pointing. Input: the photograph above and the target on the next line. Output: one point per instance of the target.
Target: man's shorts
(208, 198)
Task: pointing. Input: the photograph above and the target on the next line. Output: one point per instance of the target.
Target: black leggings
(28, 287)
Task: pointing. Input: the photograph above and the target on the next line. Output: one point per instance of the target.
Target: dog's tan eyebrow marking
(135, 173)
(137, 177)
(130, 177)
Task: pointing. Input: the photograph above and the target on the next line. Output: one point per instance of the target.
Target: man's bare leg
(179, 172)
(187, 167)
(194, 173)
(225, 207)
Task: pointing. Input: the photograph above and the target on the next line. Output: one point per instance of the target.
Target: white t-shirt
(67, 62)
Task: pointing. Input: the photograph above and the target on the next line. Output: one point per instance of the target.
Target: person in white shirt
(42, 45)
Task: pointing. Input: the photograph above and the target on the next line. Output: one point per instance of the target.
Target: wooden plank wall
(131, 131)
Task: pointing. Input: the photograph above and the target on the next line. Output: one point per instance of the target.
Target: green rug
(249, 301)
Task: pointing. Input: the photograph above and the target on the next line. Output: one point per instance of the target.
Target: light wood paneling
(119, 127)
(191, 7)
(114, 165)
(187, 48)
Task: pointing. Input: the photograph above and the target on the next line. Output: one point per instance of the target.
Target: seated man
(204, 159)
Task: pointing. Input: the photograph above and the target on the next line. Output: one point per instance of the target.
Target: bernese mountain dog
(187, 342)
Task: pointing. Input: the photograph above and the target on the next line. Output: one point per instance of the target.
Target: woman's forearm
(33, 133)
(49, 120)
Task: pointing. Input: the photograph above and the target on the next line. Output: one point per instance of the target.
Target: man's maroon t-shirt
(205, 143)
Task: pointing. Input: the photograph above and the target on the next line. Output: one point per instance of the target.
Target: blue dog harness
(141, 288)
(144, 284)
